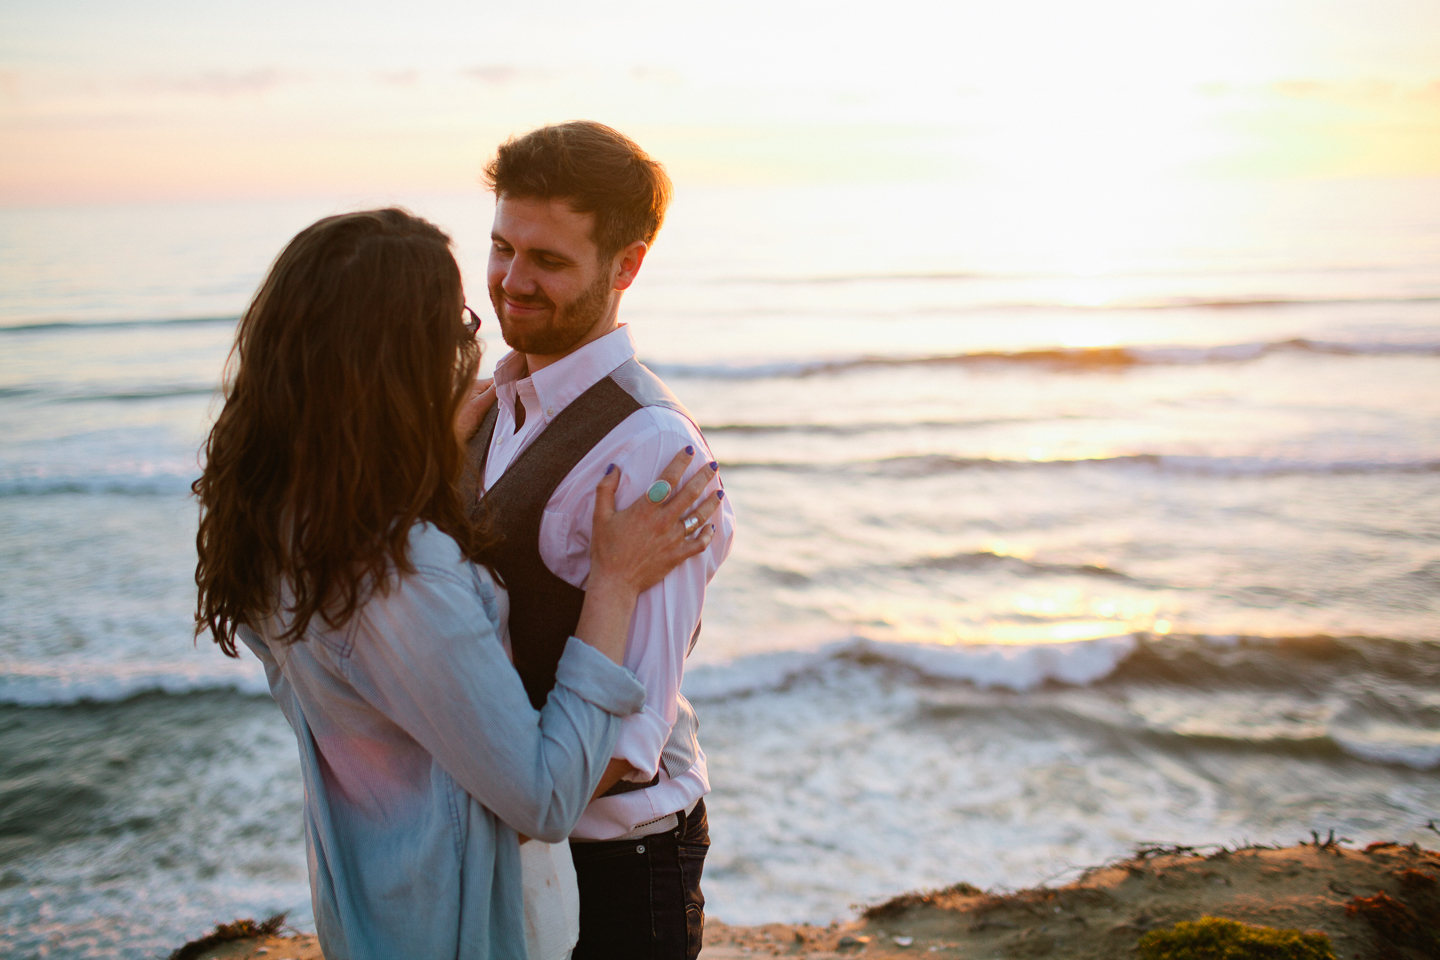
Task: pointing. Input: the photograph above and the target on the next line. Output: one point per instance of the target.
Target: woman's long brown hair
(337, 431)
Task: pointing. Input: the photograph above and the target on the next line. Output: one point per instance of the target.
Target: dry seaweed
(1331, 843)
(246, 929)
(1390, 918)
(898, 905)
(1416, 879)
(1396, 923)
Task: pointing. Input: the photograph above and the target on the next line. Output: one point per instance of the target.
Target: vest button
(640, 848)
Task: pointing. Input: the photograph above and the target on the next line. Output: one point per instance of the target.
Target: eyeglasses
(472, 320)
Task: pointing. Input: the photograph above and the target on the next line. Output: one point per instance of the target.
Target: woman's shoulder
(434, 553)
(440, 582)
(428, 545)
(440, 594)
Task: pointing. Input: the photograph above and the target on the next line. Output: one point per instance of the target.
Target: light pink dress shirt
(667, 613)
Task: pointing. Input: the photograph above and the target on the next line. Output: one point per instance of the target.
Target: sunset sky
(104, 100)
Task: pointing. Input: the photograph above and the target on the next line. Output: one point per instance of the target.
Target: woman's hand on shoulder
(633, 549)
(478, 401)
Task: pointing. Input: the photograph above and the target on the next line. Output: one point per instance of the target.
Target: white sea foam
(46, 685)
(1390, 743)
(1017, 667)
(135, 479)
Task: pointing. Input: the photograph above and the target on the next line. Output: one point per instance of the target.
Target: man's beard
(567, 325)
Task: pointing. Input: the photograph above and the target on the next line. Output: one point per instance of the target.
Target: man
(577, 207)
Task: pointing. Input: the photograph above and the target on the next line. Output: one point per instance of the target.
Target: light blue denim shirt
(422, 758)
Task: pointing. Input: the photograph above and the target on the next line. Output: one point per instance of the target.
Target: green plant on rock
(1212, 938)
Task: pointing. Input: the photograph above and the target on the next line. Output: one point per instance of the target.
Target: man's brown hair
(594, 169)
(337, 433)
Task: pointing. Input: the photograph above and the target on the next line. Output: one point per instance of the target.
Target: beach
(1382, 901)
(1047, 549)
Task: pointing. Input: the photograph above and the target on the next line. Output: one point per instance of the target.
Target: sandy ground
(1380, 903)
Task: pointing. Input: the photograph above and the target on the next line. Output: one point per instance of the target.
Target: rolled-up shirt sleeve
(667, 614)
(426, 656)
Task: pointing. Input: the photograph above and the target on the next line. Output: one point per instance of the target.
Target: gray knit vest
(544, 609)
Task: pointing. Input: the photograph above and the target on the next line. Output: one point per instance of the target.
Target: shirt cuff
(598, 679)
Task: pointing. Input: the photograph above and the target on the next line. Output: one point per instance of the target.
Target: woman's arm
(426, 656)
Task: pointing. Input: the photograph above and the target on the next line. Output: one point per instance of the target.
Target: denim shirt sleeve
(425, 654)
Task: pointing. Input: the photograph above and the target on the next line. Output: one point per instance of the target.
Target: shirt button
(549, 411)
(640, 848)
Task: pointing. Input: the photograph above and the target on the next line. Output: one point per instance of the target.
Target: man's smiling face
(546, 281)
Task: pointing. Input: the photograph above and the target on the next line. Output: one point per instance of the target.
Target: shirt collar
(557, 385)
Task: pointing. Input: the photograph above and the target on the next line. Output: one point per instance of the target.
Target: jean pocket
(587, 853)
(692, 866)
(688, 849)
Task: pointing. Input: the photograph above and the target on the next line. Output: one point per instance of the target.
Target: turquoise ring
(658, 491)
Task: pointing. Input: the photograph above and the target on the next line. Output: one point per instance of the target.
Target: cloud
(398, 78)
(1301, 89)
(10, 86)
(1369, 90)
(501, 75)
(214, 83)
(661, 76)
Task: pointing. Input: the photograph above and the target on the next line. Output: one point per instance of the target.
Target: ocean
(1068, 521)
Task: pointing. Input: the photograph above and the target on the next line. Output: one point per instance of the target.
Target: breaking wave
(984, 560)
(1387, 716)
(1387, 712)
(161, 481)
(1059, 358)
(936, 464)
(38, 325)
(59, 685)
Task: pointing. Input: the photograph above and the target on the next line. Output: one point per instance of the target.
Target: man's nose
(518, 278)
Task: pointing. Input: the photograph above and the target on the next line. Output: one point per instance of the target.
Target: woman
(334, 543)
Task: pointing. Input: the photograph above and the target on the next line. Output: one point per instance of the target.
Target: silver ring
(658, 491)
(690, 524)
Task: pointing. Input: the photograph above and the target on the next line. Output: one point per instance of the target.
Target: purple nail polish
(719, 494)
(714, 465)
(690, 450)
(608, 469)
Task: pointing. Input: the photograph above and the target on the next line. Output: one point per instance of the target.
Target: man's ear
(627, 264)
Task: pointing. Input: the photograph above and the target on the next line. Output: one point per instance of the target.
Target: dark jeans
(640, 899)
